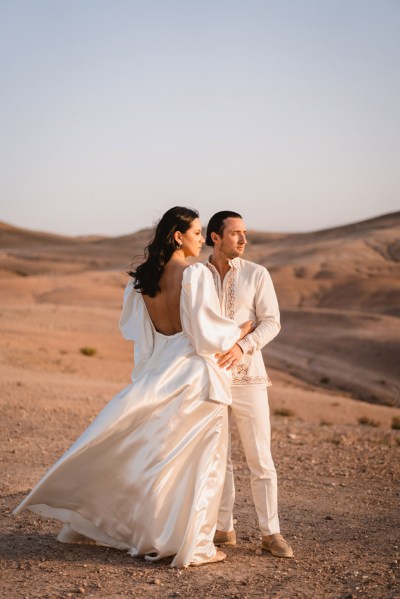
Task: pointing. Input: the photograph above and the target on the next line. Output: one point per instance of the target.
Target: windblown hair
(159, 251)
(217, 225)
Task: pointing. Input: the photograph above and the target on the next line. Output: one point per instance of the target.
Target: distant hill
(339, 292)
(352, 267)
(26, 252)
(17, 237)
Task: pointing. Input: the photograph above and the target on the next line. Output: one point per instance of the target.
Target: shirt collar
(234, 263)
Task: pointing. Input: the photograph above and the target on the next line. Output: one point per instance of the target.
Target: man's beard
(231, 254)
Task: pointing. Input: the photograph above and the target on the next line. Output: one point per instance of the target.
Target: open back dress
(147, 474)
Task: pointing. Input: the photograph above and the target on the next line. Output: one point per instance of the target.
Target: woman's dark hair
(216, 224)
(159, 251)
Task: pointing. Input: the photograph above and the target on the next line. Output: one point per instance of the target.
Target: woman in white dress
(147, 474)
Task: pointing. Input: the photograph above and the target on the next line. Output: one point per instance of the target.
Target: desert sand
(335, 401)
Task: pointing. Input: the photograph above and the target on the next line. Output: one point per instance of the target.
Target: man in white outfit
(246, 292)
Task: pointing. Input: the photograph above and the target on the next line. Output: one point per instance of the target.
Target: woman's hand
(230, 358)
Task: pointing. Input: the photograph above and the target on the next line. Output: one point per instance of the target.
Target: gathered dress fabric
(147, 474)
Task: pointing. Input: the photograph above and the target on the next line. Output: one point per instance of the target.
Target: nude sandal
(218, 557)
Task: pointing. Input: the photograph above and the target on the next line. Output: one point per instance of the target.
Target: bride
(146, 476)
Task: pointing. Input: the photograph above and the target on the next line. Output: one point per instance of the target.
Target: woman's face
(192, 240)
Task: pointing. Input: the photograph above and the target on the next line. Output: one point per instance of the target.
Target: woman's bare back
(164, 308)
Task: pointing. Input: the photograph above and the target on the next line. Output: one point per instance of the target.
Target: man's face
(233, 240)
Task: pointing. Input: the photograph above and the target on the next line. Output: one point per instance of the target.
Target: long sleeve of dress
(209, 331)
(135, 326)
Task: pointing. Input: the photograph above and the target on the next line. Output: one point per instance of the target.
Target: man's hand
(230, 358)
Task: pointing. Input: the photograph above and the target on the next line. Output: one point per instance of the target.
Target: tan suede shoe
(225, 538)
(276, 545)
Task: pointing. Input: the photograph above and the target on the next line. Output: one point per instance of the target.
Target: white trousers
(251, 411)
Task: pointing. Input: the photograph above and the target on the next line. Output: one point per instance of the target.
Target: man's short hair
(216, 224)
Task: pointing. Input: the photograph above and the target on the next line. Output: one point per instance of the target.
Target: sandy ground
(338, 479)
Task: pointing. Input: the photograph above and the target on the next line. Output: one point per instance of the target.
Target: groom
(246, 292)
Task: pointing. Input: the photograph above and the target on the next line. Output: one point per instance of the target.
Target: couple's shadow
(20, 548)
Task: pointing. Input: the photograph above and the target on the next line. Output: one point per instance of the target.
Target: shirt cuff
(246, 346)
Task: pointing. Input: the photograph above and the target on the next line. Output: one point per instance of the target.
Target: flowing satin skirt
(147, 474)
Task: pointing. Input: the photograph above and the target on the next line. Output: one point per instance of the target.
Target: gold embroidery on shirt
(240, 374)
(214, 273)
(254, 380)
(230, 295)
(250, 349)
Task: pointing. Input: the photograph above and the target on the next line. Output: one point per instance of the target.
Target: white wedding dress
(147, 474)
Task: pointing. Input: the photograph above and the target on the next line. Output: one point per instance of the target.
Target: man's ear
(215, 238)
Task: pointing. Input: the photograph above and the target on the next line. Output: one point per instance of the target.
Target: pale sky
(112, 111)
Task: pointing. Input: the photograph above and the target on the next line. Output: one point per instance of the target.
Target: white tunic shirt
(247, 293)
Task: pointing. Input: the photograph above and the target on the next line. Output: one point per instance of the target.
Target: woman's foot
(218, 557)
(68, 535)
